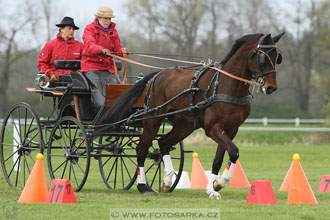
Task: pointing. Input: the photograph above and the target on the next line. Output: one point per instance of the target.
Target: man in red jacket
(100, 38)
(63, 47)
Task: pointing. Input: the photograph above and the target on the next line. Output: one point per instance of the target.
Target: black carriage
(70, 138)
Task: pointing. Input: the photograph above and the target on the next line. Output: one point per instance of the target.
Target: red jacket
(95, 40)
(58, 49)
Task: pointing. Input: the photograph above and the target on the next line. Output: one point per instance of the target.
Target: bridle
(262, 54)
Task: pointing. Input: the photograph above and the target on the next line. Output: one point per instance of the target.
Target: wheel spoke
(74, 175)
(10, 156)
(19, 162)
(115, 180)
(14, 138)
(31, 139)
(131, 159)
(153, 179)
(27, 165)
(127, 169)
(59, 166)
(27, 132)
(31, 158)
(24, 161)
(64, 169)
(113, 165)
(63, 138)
(83, 172)
(13, 166)
(15, 127)
(60, 144)
(106, 161)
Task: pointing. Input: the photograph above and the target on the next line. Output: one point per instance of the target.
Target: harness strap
(193, 85)
(235, 100)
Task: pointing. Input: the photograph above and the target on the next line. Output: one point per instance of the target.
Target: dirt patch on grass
(198, 139)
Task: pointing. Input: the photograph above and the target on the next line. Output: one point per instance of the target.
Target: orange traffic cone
(296, 182)
(198, 176)
(35, 190)
(239, 179)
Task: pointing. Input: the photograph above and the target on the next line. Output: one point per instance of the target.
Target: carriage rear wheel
(21, 140)
(117, 160)
(68, 152)
(118, 165)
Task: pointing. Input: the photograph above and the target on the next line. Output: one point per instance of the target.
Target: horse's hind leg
(180, 130)
(150, 129)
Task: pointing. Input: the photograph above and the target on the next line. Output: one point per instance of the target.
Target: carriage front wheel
(21, 140)
(68, 153)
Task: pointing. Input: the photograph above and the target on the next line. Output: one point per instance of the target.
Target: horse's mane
(238, 43)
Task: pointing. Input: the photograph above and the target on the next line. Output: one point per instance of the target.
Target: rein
(181, 61)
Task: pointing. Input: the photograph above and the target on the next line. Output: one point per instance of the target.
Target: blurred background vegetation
(190, 30)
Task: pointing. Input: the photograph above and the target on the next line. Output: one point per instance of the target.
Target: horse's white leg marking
(169, 172)
(210, 190)
(221, 182)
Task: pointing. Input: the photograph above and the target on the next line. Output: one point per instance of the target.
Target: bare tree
(10, 56)
(12, 51)
(177, 20)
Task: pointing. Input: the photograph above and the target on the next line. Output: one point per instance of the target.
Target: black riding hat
(67, 21)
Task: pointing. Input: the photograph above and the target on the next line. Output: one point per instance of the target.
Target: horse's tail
(119, 108)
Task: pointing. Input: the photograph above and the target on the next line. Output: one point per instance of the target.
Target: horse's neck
(236, 66)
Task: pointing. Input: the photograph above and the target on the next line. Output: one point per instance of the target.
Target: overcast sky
(82, 10)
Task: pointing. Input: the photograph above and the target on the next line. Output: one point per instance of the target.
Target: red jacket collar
(97, 25)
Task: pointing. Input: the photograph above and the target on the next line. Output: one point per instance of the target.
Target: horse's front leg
(217, 162)
(216, 183)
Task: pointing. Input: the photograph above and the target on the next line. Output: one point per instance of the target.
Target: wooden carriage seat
(115, 90)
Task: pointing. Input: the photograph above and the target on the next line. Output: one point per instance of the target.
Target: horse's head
(263, 60)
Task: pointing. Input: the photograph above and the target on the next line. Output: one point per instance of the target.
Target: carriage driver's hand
(106, 52)
(53, 77)
(125, 50)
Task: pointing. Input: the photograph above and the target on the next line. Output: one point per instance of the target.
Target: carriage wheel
(21, 139)
(68, 152)
(117, 159)
(119, 166)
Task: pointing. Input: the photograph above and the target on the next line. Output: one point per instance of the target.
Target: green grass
(262, 161)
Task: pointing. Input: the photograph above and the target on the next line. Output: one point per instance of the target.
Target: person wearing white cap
(100, 38)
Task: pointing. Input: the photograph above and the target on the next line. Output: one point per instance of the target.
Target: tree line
(195, 30)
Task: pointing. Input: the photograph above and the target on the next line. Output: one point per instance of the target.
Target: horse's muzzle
(270, 89)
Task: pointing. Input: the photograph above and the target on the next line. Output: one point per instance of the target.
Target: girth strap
(233, 99)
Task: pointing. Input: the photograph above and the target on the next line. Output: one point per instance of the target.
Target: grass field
(263, 156)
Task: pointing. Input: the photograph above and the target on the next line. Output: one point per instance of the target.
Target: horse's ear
(264, 38)
(278, 37)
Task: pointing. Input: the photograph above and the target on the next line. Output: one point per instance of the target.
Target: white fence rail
(296, 121)
(267, 121)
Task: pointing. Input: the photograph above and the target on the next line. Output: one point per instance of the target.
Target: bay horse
(224, 104)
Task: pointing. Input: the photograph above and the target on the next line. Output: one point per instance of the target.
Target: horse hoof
(164, 188)
(215, 195)
(144, 189)
(219, 184)
(217, 187)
